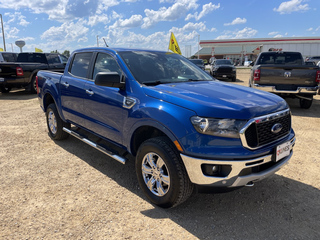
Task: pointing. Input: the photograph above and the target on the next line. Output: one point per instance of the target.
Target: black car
(198, 62)
(223, 69)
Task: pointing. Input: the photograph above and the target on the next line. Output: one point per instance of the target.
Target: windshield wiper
(198, 80)
(154, 83)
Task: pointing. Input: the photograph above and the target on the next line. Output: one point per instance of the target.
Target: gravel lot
(68, 190)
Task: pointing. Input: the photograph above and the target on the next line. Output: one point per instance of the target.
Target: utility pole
(198, 44)
(97, 40)
(4, 42)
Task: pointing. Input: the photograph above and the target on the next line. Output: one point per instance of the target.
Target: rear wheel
(33, 85)
(234, 79)
(5, 89)
(161, 173)
(55, 123)
(305, 103)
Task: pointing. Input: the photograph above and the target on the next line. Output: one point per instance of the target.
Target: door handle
(90, 92)
(66, 84)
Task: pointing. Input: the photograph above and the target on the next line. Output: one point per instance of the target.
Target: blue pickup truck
(183, 127)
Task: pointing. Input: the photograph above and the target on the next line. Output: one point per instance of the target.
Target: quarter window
(80, 64)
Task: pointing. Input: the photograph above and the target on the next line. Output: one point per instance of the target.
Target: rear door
(72, 87)
(103, 106)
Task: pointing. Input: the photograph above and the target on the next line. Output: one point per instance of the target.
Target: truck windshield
(153, 68)
(286, 58)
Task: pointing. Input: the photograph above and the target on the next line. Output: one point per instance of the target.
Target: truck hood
(218, 99)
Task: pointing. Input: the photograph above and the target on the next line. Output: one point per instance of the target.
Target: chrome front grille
(258, 131)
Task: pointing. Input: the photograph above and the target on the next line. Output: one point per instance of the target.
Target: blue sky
(72, 24)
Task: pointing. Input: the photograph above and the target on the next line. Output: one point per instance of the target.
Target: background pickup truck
(23, 72)
(183, 128)
(286, 74)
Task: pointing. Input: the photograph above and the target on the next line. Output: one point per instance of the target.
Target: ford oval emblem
(276, 128)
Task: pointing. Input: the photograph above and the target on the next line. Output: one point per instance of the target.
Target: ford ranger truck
(183, 127)
(287, 75)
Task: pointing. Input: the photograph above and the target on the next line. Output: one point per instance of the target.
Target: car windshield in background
(152, 68)
(223, 62)
(281, 58)
(196, 61)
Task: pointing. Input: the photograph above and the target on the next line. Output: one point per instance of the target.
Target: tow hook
(249, 184)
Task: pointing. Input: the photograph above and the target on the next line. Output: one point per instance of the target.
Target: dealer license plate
(283, 150)
(1, 79)
(224, 75)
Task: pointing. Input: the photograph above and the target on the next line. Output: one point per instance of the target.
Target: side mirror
(109, 79)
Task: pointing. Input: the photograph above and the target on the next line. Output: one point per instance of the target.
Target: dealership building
(240, 50)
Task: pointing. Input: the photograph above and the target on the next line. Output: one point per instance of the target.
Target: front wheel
(55, 123)
(161, 173)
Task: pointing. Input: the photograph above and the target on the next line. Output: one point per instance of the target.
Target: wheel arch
(145, 132)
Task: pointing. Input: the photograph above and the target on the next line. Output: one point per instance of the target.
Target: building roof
(226, 50)
(250, 41)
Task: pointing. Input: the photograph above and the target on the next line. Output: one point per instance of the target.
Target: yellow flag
(173, 45)
(38, 50)
(1, 49)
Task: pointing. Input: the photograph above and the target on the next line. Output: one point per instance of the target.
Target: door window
(105, 63)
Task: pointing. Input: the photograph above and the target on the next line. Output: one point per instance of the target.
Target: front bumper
(303, 90)
(241, 173)
(224, 75)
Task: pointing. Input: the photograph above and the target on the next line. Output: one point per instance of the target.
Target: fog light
(212, 170)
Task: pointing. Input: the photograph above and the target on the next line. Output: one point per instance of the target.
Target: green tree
(66, 53)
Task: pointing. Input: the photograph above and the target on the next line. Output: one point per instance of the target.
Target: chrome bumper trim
(310, 90)
(193, 167)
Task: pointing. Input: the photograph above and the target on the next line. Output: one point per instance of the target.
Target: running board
(96, 146)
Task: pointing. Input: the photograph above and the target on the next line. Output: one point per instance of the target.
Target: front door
(103, 106)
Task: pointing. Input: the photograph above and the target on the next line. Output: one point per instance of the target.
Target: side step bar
(96, 146)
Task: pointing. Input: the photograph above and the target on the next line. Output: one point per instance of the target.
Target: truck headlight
(218, 127)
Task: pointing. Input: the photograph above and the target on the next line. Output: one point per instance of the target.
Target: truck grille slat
(258, 133)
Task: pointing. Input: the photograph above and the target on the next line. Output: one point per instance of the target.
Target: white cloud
(18, 18)
(292, 6)
(61, 10)
(189, 27)
(236, 21)
(133, 21)
(244, 33)
(94, 20)
(206, 9)
(67, 32)
(310, 29)
(11, 32)
(176, 11)
(272, 33)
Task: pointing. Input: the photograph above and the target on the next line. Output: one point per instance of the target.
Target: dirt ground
(68, 190)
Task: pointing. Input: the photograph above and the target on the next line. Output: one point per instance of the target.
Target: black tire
(33, 85)
(305, 103)
(5, 89)
(158, 162)
(55, 123)
(234, 79)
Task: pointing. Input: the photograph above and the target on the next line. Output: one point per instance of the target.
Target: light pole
(198, 44)
(4, 42)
